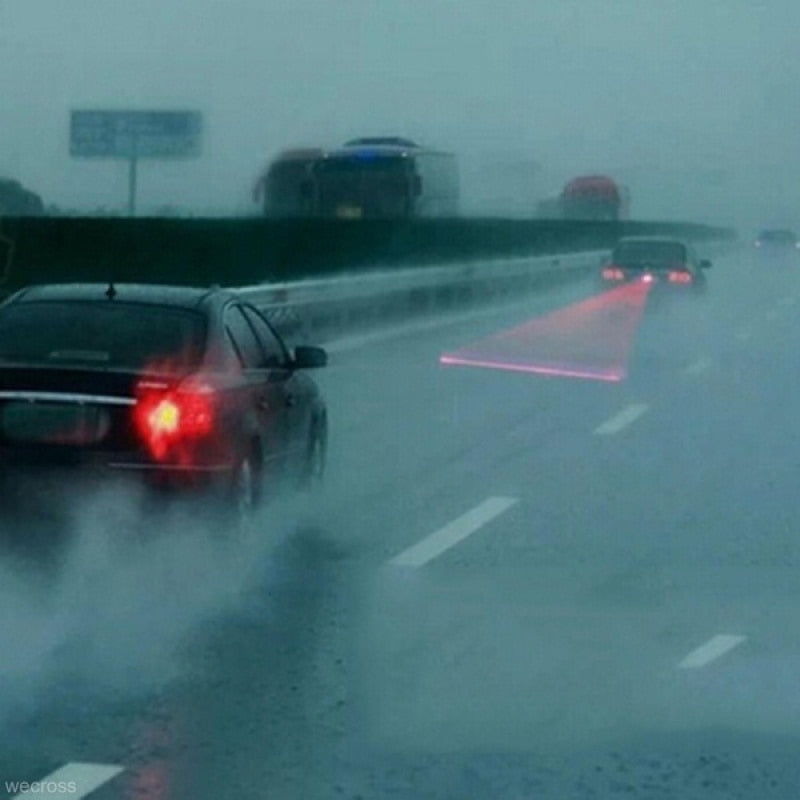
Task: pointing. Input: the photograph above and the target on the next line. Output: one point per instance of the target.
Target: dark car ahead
(661, 261)
(777, 239)
(176, 388)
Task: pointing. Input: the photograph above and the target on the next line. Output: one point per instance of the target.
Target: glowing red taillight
(166, 417)
(612, 273)
(679, 276)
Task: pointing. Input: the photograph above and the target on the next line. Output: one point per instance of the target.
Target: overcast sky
(637, 86)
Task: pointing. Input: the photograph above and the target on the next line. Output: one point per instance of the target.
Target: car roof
(188, 297)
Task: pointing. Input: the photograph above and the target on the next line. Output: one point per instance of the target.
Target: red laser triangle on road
(589, 339)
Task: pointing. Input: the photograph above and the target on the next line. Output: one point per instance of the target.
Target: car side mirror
(308, 357)
(705, 263)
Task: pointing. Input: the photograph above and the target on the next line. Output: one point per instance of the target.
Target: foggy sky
(658, 91)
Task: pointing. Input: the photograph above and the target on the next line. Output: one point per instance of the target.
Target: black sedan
(175, 388)
(777, 238)
(660, 261)
(776, 245)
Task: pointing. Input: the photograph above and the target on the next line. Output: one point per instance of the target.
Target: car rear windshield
(109, 335)
(640, 255)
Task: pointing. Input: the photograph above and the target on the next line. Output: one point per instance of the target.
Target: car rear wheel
(243, 492)
(243, 497)
(316, 456)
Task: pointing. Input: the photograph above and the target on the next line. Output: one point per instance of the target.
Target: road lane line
(715, 647)
(75, 780)
(771, 315)
(619, 421)
(696, 367)
(451, 534)
(785, 302)
(744, 335)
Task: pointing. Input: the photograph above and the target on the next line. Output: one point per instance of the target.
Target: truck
(588, 197)
(386, 178)
(594, 197)
(379, 177)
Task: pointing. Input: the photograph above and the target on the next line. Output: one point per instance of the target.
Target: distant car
(777, 239)
(175, 388)
(661, 261)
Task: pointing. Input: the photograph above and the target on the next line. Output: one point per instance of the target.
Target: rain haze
(690, 103)
(532, 532)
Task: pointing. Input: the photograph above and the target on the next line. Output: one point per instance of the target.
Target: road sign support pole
(131, 135)
(132, 167)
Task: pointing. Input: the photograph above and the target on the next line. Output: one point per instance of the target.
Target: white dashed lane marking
(618, 422)
(713, 649)
(454, 532)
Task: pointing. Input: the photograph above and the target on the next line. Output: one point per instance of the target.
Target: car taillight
(167, 417)
(679, 276)
(612, 274)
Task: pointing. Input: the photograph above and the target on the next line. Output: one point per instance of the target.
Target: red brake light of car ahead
(612, 273)
(679, 276)
(165, 417)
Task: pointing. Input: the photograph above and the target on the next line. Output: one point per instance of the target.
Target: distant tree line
(17, 201)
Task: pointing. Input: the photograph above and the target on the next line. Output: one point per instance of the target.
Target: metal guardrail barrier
(318, 309)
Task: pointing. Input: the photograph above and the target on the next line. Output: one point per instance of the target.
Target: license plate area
(54, 423)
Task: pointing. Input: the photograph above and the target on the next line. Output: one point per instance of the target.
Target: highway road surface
(512, 585)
